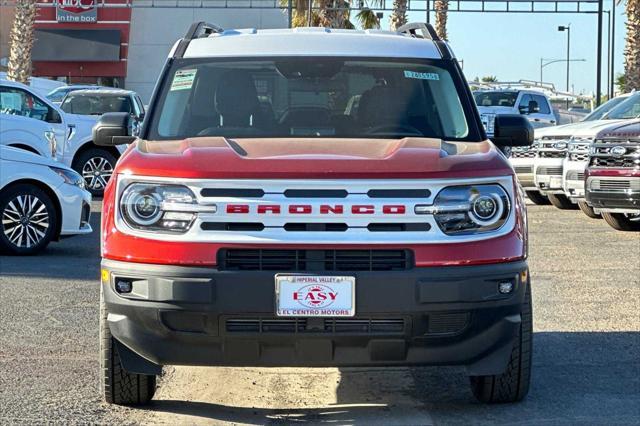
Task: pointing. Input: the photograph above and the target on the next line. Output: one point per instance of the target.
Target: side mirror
(113, 128)
(533, 107)
(524, 110)
(512, 130)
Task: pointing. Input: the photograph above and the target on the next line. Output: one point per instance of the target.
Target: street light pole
(609, 95)
(567, 28)
(613, 48)
(553, 61)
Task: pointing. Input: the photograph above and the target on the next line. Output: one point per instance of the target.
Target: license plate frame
(318, 296)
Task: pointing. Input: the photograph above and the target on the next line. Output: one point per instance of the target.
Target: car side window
(524, 101)
(542, 104)
(16, 101)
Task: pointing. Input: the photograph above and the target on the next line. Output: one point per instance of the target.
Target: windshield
(85, 104)
(57, 95)
(599, 112)
(494, 99)
(310, 97)
(629, 108)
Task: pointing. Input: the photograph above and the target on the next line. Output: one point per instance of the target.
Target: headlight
(50, 136)
(70, 177)
(158, 207)
(463, 210)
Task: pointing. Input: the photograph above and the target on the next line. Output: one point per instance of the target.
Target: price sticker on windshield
(183, 79)
(421, 75)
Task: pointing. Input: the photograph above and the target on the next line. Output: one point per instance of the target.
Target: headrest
(236, 96)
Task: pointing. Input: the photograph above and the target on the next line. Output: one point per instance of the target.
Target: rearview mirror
(512, 130)
(113, 128)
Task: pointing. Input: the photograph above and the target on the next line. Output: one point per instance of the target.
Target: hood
(582, 128)
(281, 158)
(497, 110)
(20, 155)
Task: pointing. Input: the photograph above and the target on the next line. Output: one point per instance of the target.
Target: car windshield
(599, 112)
(629, 108)
(494, 99)
(309, 97)
(56, 95)
(86, 104)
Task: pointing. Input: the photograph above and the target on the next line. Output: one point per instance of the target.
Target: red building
(82, 40)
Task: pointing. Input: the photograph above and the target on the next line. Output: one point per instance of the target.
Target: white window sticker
(421, 75)
(183, 79)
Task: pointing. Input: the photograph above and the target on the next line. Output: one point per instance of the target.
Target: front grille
(552, 154)
(447, 322)
(580, 156)
(314, 260)
(523, 169)
(603, 156)
(614, 185)
(316, 325)
(550, 170)
(575, 175)
(523, 152)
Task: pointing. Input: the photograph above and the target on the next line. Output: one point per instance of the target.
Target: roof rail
(196, 30)
(202, 29)
(426, 30)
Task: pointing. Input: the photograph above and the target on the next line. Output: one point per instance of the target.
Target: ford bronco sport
(314, 197)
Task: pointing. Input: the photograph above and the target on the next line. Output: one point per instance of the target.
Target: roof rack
(196, 30)
(202, 29)
(419, 30)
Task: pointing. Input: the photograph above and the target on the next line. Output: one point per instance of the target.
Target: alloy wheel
(25, 221)
(96, 172)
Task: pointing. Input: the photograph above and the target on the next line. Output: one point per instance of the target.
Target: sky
(509, 46)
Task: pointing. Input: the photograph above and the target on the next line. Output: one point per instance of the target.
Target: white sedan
(40, 201)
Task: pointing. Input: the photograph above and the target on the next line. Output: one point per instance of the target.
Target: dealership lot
(586, 283)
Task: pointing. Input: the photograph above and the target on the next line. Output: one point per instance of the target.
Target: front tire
(28, 220)
(561, 202)
(588, 210)
(537, 198)
(96, 167)
(118, 386)
(513, 384)
(621, 222)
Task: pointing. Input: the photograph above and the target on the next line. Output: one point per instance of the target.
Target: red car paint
(215, 158)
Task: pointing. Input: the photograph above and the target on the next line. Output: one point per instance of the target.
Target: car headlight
(159, 207)
(473, 209)
(50, 136)
(69, 176)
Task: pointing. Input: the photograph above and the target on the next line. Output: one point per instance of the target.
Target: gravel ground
(586, 288)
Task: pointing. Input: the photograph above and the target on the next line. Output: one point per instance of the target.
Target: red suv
(314, 197)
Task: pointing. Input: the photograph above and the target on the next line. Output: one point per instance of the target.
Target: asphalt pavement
(586, 291)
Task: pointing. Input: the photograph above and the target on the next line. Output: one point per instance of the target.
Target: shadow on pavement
(74, 258)
(578, 378)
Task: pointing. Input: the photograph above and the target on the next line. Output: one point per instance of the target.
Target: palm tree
(632, 46)
(21, 41)
(399, 14)
(325, 13)
(441, 7)
(367, 16)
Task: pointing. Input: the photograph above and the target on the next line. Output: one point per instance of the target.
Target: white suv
(534, 104)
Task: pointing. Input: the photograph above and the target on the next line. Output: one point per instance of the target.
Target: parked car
(522, 159)
(57, 95)
(533, 104)
(26, 133)
(260, 218)
(552, 148)
(598, 113)
(613, 176)
(19, 100)
(40, 201)
(84, 107)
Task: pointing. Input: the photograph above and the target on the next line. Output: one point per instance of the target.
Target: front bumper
(548, 175)
(573, 176)
(75, 205)
(422, 316)
(524, 171)
(616, 195)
